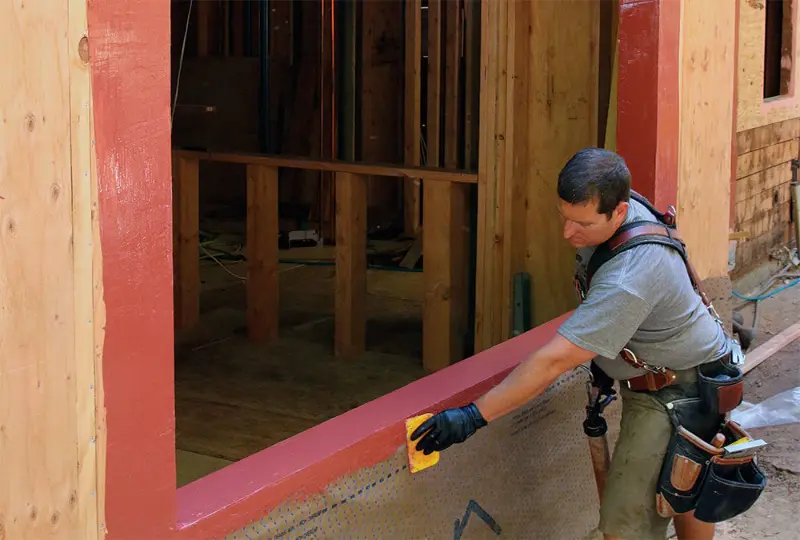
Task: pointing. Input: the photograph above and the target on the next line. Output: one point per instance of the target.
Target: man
(641, 300)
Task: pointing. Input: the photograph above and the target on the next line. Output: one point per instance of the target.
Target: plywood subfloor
(234, 398)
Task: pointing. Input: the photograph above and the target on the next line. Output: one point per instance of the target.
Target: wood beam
(648, 97)
(351, 264)
(186, 238)
(262, 253)
(372, 169)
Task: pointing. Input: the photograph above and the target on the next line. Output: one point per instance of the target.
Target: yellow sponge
(417, 460)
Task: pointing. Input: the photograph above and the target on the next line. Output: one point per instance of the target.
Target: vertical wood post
(351, 264)
(262, 252)
(648, 96)
(413, 113)
(186, 223)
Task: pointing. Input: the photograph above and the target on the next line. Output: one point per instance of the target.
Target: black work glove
(448, 428)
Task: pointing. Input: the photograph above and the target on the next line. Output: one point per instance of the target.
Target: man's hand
(447, 428)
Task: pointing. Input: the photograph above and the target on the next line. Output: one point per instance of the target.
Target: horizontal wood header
(372, 169)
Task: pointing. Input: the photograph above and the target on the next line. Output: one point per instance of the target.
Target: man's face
(585, 227)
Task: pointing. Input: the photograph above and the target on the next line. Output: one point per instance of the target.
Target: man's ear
(621, 211)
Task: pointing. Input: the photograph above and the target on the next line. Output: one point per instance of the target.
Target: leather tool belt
(715, 481)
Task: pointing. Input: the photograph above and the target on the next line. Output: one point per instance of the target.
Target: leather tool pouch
(697, 476)
(721, 387)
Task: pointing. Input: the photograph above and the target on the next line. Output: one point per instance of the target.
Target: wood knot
(54, 518)
(11, 226)
(30, 121)
(73, 499)
(83, 49)
(34, 513)
(55, 191)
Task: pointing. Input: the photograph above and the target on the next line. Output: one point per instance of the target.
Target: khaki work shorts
(628, 509)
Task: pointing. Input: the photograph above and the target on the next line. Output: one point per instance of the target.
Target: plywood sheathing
(752, 110)
(707, 72)
(50, 453)
(537, 109)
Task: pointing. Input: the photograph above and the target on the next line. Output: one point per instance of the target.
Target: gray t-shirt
(643, 299)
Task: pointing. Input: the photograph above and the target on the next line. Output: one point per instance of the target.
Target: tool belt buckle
(655, 379)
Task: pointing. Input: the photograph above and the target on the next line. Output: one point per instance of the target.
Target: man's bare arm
(524, 383)
(532, 377)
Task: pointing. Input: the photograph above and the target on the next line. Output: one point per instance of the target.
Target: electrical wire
(180, 64)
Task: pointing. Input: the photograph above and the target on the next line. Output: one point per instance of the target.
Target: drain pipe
(796, 204)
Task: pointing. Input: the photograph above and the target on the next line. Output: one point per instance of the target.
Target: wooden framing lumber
(434, 113)
(445, 240)
(87, 267)
(351, 264)
(262, 252)
(186, 219)
(433, 174)
(755, 357)
(47, 373)
(412, 113)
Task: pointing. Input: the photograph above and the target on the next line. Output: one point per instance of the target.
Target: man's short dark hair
(595, 174)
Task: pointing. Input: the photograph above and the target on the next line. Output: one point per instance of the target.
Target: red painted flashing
(648, 96)
(129, 45)
(306, 463)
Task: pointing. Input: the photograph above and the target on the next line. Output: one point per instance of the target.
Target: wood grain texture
(45, 418)
(412, 114)
(764, 352)
(262, 252)
(753, 184)
(761, 159)
(752, 110)
(429, 173)
(537, 109)
(88, 275)
(763, 136)
(351, 264)
(707, 71)
(561, 43)
(186, 241)
(494, 127)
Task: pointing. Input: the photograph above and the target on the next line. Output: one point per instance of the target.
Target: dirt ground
(775, 514)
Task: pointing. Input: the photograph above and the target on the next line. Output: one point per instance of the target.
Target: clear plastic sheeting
(782, 408)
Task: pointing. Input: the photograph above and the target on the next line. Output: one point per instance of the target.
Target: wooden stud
(46, 275)
(412, 113)
(186, 214)
(203, 27)
(433, 120)
(472, 61)
(446, 238)
(491, 177)
(262, 253)
(351, 264)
